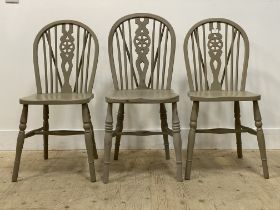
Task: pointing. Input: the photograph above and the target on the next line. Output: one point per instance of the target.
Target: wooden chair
(60, 48)
(141, 53)
(216, 55)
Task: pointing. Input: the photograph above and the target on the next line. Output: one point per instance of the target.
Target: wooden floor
(141, 179)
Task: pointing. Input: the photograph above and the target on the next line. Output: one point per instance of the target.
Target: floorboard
(140, 179)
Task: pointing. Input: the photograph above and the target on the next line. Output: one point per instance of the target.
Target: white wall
(19, 24)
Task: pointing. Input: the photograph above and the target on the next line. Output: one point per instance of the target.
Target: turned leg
(191, 138)
(238, 128)
(46, 128)
(119, 128)
(164, 128)
(108, 142)
(95, 155)
(20, 141)
(260, 138)
(177, 141)
(88, 141)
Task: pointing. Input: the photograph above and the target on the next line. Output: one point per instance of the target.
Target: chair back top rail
(216, 55)
(141, 50)
(65, 56)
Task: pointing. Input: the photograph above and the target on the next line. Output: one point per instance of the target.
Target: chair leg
(238, 128)
(88, 141)
(119, 128)
(20, 141)
(177, 141)
(191, 138)
(95, 155)
(46, 128)
(260, 138)
(164, 127)
(108, 142)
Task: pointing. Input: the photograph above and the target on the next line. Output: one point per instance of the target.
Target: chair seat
(142, 96)
(223, 96)
(57, 98)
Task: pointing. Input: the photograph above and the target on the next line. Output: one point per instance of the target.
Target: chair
(216, 55)
(60, 48)
(141, 53)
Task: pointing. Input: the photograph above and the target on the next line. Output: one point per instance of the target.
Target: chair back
(141, 52)
(65, 55)
(216, 55)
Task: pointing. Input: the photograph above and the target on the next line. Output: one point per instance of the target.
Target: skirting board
(203, 141)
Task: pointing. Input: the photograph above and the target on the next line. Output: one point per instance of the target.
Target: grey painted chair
(65, 56)
(141, 52)
(216, 55)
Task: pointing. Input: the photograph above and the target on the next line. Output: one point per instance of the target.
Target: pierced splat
(216, 54)
(141, 52)
(141, 49)
(220, 45)
(69, 52)
(67, 48)
(142, 43)
(215, 45)
(53, 54)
